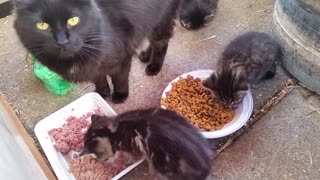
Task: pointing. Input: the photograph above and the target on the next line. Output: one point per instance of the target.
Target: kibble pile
(191, 100)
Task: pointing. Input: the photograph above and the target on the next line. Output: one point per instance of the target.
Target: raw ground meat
(88, 168)
(70, 136)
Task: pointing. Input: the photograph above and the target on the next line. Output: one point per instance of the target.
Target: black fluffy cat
(195, 14)
(86, 40)
(173, 147)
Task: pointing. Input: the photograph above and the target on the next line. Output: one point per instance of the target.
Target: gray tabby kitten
(246, 59)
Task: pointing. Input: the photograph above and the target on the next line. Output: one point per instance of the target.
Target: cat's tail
(279, 55)
(272, 72)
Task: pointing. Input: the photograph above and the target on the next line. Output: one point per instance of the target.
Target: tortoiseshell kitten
(195, 14)
(246, 59)
(173, 147)
(88, 40)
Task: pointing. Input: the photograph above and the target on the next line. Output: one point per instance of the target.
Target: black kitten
(247, 59)
(195, 14)
(173, 147)
(86, 40)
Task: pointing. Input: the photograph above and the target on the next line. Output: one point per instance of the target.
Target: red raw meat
(88, 168)
(70, 136)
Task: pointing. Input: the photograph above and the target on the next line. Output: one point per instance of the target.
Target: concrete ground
(279, 146)
(283, 145)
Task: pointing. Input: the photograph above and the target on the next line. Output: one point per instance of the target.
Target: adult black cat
(88, 40)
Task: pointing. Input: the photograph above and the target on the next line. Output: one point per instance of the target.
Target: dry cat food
(70, 136)
(88, 168)
(191, 100)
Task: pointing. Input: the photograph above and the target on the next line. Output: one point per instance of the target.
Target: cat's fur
(172, 146)
(104, 41)
(246, 59)
(195, 14)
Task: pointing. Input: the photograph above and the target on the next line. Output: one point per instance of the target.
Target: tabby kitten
(195, 14)
(246, 59)
(87, 40)
(173, 147)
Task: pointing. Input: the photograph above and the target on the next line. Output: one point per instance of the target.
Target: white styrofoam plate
(243, 111)
(79, 107)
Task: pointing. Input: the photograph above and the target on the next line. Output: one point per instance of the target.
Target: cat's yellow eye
(42, 26)
(73, 21)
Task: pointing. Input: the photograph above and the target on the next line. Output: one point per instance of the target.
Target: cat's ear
(211, 82)
(21, 4)
(240, 82)
(102, 122)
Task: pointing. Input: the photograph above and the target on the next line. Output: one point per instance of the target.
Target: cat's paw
(119, 97)
(103, 93)
(153, 69)
(144, 56)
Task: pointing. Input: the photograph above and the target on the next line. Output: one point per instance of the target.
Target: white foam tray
(86, 103)
(243, 111)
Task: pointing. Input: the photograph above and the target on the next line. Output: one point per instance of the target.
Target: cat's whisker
(39, 53)
(93, 47)
(34, 47)
(99, 37)
(90, 53)
(112, 41)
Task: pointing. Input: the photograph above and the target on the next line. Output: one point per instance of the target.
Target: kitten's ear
(240, 82)
(240, 86)
(102, 122)
(211, 82)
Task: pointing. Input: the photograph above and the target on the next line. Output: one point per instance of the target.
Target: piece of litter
(21, 61)
(313, 110)
(222, 27)
(310, 157)
(261, 11)
(204, 39)
(17, 111)
(5, 53)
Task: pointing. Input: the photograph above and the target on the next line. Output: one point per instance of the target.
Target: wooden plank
(27, 138)
(224, 143)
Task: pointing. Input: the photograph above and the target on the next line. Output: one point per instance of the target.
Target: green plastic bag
(52, 81)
